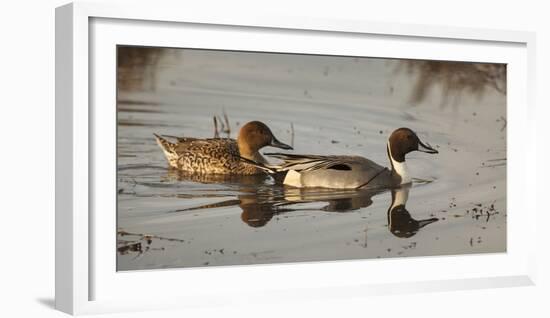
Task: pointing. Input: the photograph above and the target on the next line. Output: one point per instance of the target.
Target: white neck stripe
(400, 168)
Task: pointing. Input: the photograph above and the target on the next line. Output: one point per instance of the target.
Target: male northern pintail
(221, 155)
(349, 172)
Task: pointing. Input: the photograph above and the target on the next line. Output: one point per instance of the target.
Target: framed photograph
(271, 158)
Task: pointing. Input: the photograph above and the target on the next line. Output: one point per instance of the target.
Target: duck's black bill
(278, 144)
(426, 148)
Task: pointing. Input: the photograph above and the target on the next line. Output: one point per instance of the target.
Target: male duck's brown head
(401, 142)
(404, 140)
(254, 136)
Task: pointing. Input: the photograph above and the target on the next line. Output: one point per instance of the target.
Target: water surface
(322, 105)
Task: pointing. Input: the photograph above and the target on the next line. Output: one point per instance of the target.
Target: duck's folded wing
(213, 146)
(312, 162)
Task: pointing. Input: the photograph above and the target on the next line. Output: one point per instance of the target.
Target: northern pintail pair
(227, 156)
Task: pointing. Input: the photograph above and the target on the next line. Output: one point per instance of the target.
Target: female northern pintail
(221, 155)
(349, 172)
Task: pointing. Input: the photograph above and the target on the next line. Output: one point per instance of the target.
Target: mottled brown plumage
(221, 155)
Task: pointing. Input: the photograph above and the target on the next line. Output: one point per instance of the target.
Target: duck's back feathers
(212, 155)
(310, 162)
(330, 171)
(305, 163)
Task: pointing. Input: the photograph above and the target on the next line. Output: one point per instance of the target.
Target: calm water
(322, 105)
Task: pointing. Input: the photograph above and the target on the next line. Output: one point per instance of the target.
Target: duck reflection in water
(259, 208)
(260, 203)
(258, 212)
(400, 221)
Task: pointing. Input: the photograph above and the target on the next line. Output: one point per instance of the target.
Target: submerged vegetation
(139, 243)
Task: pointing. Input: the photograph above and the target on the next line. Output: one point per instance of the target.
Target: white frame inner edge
(86, 279)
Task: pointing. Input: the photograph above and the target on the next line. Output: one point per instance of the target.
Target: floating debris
(140, 245)
(479, 211)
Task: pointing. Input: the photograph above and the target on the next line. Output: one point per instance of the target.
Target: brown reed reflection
(137, 67)
(454, 79)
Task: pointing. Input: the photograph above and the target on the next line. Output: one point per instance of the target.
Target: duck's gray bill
(426, 148)
(278, 144)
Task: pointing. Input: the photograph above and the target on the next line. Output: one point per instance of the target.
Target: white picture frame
(84, 282)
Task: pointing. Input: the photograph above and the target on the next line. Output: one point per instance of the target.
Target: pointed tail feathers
(168, 148)
(259, 165)
(299, 162)
(273, 170)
